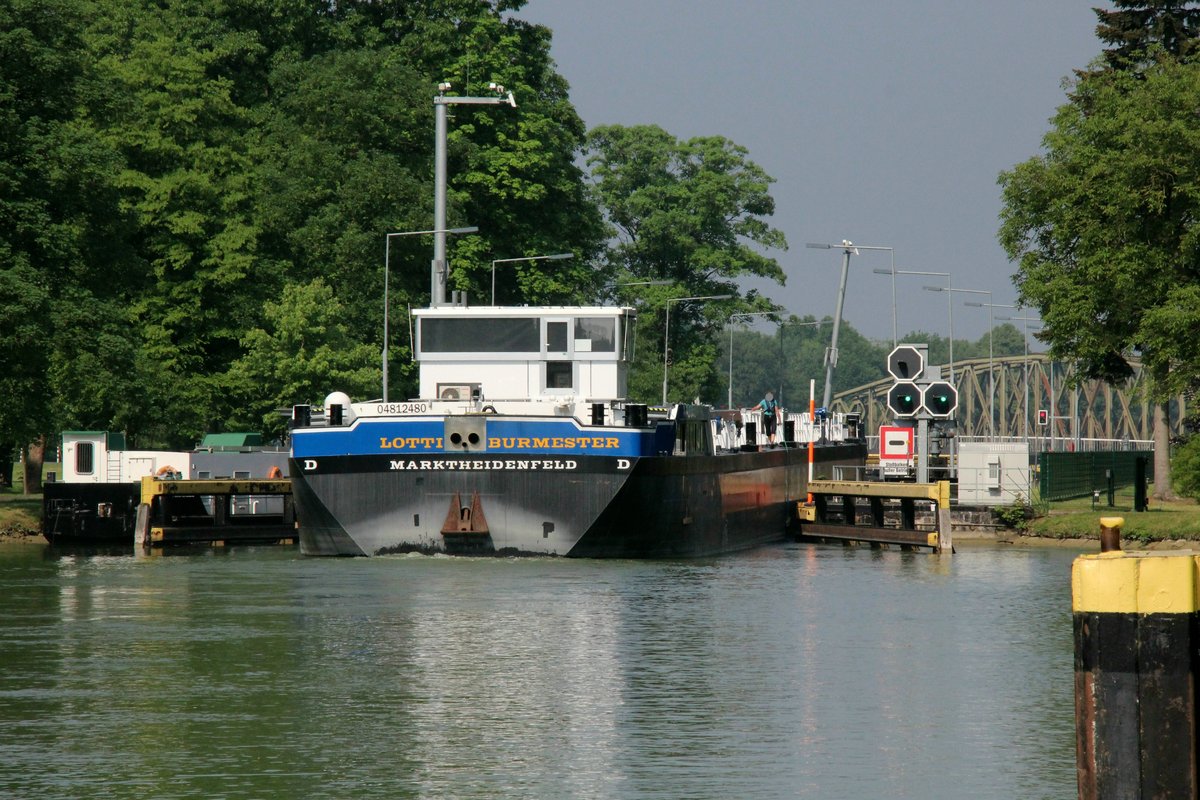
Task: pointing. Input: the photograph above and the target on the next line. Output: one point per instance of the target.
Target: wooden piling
(1137, 655)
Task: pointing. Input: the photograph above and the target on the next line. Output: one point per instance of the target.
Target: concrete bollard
(1137, 654)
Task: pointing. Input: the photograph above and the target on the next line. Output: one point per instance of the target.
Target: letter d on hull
(310, 464)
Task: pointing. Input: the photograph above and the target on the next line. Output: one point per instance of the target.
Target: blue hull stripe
(425, 435)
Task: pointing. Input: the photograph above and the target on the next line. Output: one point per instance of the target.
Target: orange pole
(812, 415)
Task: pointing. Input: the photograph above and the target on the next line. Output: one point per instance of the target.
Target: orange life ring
(275, 474)
(165, 470)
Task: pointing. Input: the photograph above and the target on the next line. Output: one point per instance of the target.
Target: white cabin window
(558, 375)
(84, 458)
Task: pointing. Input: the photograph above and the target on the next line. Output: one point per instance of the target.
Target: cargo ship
(522, 441)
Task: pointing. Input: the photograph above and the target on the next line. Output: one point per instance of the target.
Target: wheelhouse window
(84, 458)
(479, 335)
(596, 334)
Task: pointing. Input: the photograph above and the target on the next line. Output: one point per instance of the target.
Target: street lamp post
(667, 330)
(387, 268)
(732, 317)
(437, 276)
(782, 354)
(991, 360)
(782, 324)
(555, 257)
(989, 306)
(1025, 320)
(831, 355)
(949, 304)
(635, 283)
(991, 364)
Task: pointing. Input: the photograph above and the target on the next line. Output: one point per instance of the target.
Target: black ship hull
(579, 506)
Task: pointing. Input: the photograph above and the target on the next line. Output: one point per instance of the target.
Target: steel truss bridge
(1093, 410)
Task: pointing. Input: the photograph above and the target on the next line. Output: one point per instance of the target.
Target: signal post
(919, 394)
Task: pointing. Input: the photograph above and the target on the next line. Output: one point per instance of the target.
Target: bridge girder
(1099, 410)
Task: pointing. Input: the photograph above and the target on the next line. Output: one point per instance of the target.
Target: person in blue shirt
(770, 416)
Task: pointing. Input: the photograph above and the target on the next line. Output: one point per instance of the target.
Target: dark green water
(795, 671)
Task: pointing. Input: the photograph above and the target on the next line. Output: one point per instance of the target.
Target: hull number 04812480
(402, 408)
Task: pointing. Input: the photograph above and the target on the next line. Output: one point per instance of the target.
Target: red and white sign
(895, 443)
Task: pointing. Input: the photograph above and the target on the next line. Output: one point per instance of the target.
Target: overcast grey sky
(885, 123)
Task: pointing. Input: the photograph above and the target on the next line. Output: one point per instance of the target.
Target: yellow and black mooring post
(1137, 654)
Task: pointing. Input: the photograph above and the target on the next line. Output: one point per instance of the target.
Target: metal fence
(1062, 476)
(1040, 444)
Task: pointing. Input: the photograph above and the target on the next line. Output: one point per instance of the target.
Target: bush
(1015, 516)
(1185, 468)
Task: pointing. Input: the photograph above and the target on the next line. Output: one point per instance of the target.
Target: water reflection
(795, 671)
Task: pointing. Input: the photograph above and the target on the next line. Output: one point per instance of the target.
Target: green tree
(345, 158)
(61, 245)
(1008, 340)
(1134, 28)
(169, 169)
(304, 351)
(687, 213)
(1104, 226)
(1185, 467)
(184, 140)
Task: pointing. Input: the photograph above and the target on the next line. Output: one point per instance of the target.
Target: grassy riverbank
(1163, 522)
(20, 515)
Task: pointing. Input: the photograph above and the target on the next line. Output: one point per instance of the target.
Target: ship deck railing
(798, 428)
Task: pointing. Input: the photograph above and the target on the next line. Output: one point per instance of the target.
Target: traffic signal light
(904, 399)
(1043, 417)
(906, 363)
(940, 399)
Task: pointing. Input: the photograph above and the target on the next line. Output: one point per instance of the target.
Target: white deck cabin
(560, 360)
(524, 353)
(101, 457)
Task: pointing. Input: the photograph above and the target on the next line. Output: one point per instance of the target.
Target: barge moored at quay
(523, 442)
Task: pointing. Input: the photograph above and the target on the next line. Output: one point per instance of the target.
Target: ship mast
(437, 271)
